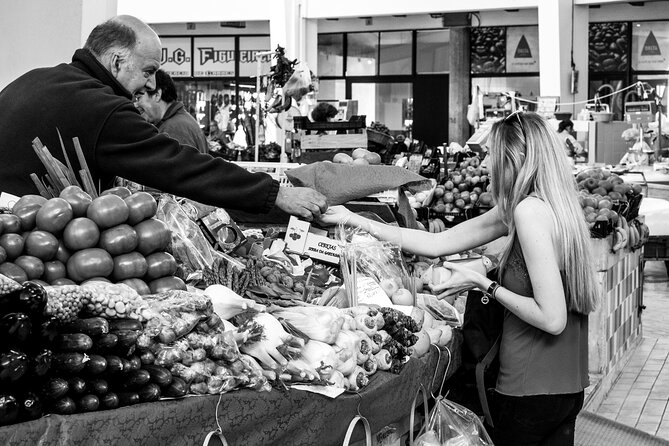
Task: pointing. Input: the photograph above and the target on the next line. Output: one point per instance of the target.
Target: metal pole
(259, 56)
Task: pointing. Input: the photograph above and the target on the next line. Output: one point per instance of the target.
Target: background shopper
(546, 273)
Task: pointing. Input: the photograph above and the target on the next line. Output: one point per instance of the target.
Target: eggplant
(30, 299)
(147, 358)
(98, 386)
(128, 398)
(55, 388)
(105, 342)
(9, 409)
(135, 363)
(92, 326)
(70, 363)
(136, 379)
(73, 342)
(64, 406)
(13, 365)
(177, 388)
(40, 363)
(47, 332)
(109, 401)
(15, 329)
(30, 407)
(149, 393)
(114, 365)
(96, 364)
(159, 375)
(88, 403)
(77, 385)
(124, 324)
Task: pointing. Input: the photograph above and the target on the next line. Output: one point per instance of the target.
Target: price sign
(547, 105)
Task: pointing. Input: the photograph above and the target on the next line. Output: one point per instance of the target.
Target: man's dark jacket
(82, 99)
(180, 125)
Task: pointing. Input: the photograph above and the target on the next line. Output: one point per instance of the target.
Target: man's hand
(302, 202)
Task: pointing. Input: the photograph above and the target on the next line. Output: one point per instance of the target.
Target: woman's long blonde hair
(526, 157)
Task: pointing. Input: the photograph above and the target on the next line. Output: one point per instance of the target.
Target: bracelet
(492, 289)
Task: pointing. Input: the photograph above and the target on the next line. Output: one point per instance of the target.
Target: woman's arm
(548, 310)
(467, 235)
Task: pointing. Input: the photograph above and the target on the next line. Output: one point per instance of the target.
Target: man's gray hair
(109, 35)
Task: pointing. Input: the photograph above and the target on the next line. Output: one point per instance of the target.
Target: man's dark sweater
(180, 125)
(82, 99)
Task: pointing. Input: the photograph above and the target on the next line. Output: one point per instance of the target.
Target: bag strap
(480, 382)
(351, 426)
(420, 390)
(211, 434)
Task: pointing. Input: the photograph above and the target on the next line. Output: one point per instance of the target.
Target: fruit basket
(382, 139)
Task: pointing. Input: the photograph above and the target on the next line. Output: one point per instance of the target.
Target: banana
(634, 237)
(431, 224)
(620, 239)
(439, 225)
(623, 222)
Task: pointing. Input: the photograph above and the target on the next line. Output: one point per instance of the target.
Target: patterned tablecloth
(247, 417)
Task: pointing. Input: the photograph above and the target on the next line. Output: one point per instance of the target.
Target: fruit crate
(382, 139)
(656, 248)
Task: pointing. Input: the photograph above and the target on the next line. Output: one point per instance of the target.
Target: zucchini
(159, 375)
(64, 406)
(98, 386)
(106, 342)
(109, 401)
(71, 363)
(96, 364)
(55, 388)
(92, 326)
(128, 398)
(77, 385)
(136, 379)
(88, 403)
(124, 324)
(176, 389)
(149, 393)
(114, 365)
(73, 342)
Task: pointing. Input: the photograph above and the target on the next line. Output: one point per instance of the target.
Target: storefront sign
(522, 49)
(176, 57)
(249, 47)
(214, 56)
(650, 46)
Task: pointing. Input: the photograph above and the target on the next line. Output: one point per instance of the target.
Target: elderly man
(161, 108)
(91, 98)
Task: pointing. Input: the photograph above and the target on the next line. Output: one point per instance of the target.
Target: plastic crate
(656, 248)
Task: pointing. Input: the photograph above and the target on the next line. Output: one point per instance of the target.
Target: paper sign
(522, 49)
(329, 391)
(7, 200)
(370, 292)
(650, 46)
(214, 56)
(175, 57)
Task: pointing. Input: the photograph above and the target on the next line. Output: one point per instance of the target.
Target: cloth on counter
(247, 417)
(344, 182)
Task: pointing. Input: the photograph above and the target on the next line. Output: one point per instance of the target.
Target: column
(459, 85)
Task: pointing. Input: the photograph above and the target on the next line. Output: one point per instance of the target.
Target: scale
(640, 112)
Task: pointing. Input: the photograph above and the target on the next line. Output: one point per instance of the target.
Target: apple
(342, 158)
(390, 286)
(402, 297)
(360, 162)
(359, 153)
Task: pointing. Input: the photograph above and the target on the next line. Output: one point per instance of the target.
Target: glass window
(383, 102)
(526, 87)
(608, 46)
(205, 99)
(395, 54)
(650, 44)
(331, 89)
(433, 51)
(248, 48)
(362, 54)
(330, 54)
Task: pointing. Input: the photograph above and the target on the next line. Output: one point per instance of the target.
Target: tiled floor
(639, 397)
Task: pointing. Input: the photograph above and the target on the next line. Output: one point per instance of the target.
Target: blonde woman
(546, 282)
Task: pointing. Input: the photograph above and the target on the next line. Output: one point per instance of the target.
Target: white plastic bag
(452, 425)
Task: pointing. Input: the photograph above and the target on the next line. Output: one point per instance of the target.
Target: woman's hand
(335, 215)
(462, 278)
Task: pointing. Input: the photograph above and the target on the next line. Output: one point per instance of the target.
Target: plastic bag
(452, 425)
(299, 83)
(190, 248)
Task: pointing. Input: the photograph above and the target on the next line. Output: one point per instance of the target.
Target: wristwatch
(490, 292)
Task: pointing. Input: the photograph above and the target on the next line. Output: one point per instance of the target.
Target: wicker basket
(382, 139)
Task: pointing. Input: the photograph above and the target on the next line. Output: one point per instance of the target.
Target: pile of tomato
(73, 238)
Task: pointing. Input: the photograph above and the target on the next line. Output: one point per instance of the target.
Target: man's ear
(158, 95)
(115, 64)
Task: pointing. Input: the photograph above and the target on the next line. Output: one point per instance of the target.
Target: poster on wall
(488, 50)
(522, 49)
(176, 57)
(214, 56)
(650, 46)
(249, 47)
(607, 44)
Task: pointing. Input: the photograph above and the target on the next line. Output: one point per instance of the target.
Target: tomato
(42, 245)
(81, 233)
(3, 254)
(13, 271)
(54, 215)
(166, 284)
(142, 205)
(129, 266)
(26, 209)
(96, 279)
(13, 245)
(160, 264)
(120, 191)
(78, 199)
(62, 254)
(108, 211)
(10, 223)
(33, 266)
(63, 281)
(153, 235)
(87, 263)
(54, 270)
(40, 282)
(138, 285)
(119, 240)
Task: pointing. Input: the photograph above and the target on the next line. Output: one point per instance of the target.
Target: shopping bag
(450, 424)
(351, 426)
